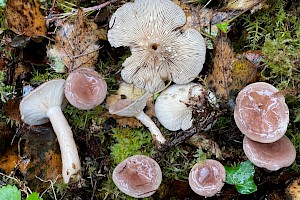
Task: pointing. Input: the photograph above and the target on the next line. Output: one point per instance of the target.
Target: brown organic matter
(24, 17)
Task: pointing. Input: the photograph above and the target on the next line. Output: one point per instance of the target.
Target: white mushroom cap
(271, 156)
(34, 106)
(261, 112)
(159, 50)
(207, 179)
(138, 176)
(171, 107)
(129, 108)
(85, 88)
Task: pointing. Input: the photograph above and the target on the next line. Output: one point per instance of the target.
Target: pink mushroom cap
(261, 112)
(138, 176)
(271, 156)
(85, 88)
(207, 179)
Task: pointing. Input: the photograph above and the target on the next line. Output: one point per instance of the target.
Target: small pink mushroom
(85, 88)
(138, 176)
(261, 112)
(207, 179)
(271, 156)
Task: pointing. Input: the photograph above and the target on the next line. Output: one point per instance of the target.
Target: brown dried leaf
(9, 159)
(25, 18)
(2, 64)
(21, 69)
(11, 110)
(39, 144)
(230, 72)
(76, 45)
(6, 135)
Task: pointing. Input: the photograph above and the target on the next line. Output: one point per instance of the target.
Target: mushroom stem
(155, 132)
(68, 149)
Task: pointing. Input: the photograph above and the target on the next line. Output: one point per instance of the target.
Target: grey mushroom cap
(261, 112)
(160, 52)
(138, 176)
(272, 156)
(33, 107)
(207, 179)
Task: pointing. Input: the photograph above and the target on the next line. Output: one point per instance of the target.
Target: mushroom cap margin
(33, 107)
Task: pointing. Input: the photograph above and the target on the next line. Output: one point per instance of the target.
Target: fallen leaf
(76, 45)
(11, 110)
(25, 18)
(230, 72)
(6, 135)
(39, 144)
(20, 70)
(2, 64)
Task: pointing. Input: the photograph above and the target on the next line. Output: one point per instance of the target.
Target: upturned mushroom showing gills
(207, 179)
(175, 106)
(261, 112)
(138, 176)
(44, 103)
(160, 50)
(272, 156)
(129, 108)
(85, 88)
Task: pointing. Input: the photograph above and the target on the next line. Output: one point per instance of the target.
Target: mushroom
(138, 176)
(261, 112)
(129, 108)
(271, 156)
(160, 50)
(85, 88)
(207, 179)
(175, 106)
(45, 103)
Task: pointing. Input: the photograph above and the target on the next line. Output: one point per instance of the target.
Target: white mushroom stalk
(43, 104)
(160, 51)
(128, 108)
(68, 149)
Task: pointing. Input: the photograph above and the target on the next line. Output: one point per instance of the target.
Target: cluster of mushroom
(262, 116)
(84, 89)
(140, 176)
(160, 53)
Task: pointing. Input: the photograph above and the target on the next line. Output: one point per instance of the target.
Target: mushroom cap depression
(138, 176)
(34, 106)
(160, 51)
(271, 156)
(85, 88)
(171, 107)
(207, 179)
(261, 112)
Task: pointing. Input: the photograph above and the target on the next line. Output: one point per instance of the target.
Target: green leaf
(242, 177)
(223, 26)
(34, 196)
(10, 192)
(2, 3)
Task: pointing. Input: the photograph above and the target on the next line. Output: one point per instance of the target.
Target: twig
(53, 17)
(51, 185)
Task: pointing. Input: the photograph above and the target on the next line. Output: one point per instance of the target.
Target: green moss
(177, 163)
(129, 142)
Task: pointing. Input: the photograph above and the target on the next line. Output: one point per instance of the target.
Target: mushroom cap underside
(34, 106)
